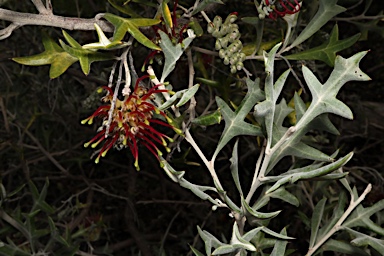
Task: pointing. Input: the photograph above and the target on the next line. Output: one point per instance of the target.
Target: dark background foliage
(41, 138)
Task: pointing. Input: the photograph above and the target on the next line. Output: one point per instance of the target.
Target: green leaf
(234, 121)
(195, 251)
(327, 10)
(316, 220)
(361, 217)
(235, 168)
(254, 213)
(122, 26)
(280, 246)
(189, 93)
(280, 193)
(372, 26)
(209, 240)
(104, 43)
(124, 8)
(39, 198)
(343, 247)
(166, 14)
(266, 109)
(237, 242)
(53, 55)
(172, 53)
(324, 96)
(317, 172)
(364, 240)
(86, 57)
(327, 51)
(185, 96)
(209, 119)
(203, 4)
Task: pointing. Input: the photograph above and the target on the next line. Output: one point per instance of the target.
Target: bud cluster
(228, 42)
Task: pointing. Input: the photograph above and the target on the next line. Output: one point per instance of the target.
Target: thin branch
(19, 19)
(353, 204)
(41, 8)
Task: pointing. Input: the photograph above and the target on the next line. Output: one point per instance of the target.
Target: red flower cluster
(131, 123)
(282, 7)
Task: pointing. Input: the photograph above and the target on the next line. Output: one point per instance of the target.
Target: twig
(352, 205)
(19, 19)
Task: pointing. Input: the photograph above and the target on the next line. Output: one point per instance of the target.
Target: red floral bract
(130, 124)
(282, 7)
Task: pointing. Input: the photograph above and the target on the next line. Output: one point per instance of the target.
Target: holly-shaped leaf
(369, 26)
(266, 109)
(86, 57)
(327, 10)
(172, 52)
(324, 96)
(327, 51)
(53, 55)
(122, 26)
(234, 121)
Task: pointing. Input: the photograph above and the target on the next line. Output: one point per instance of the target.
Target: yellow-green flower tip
(136, 164)
(104, 153)
(178, 131)
(152, 77)
(86, 144)
(100, 90)
(84, 121)
(97, 160)
(162, 164)
(171, 92)
(95, 144)
(168, 149)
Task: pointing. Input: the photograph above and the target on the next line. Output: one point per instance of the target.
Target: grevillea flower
(131, 123)
(279, 8)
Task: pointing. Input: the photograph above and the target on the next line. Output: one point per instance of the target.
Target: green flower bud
(233, 59)
(226, 60)
(222, 53)
(242, 56)
(233, 69)
(216, 33)
(223, 42)
(217, 21)
(217, 44)
(210, 28)
(230, 19)
(239, 65)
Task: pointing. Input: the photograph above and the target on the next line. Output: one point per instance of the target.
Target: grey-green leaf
(327, 10)
(316, 220)
(172, 53)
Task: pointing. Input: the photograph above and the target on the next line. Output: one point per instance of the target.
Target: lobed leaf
(327, 10)
(53, 55)
(234, 121)
(172, 53)
(327, 51)
(122, 26)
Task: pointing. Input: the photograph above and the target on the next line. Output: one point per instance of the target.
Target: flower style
(278, 8)
(130, 123)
